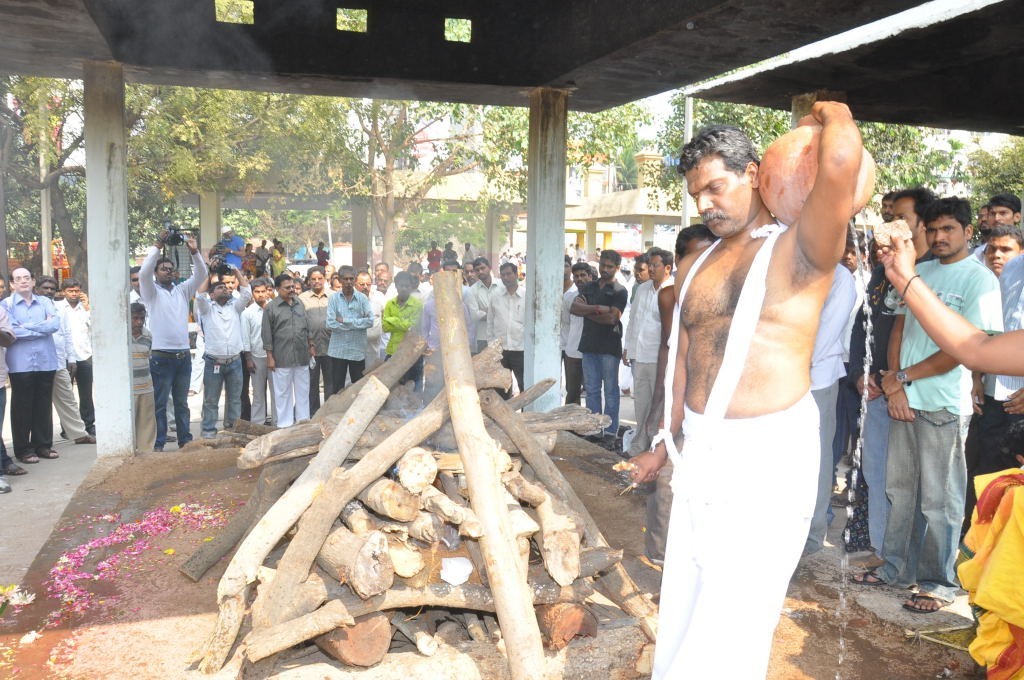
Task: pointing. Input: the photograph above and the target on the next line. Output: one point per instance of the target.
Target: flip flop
(28, 458)
(13, 470)
(914, 604)
(48, 454)
(862, 579)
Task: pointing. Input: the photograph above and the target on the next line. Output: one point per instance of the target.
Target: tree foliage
(905, 156)
(995, 172)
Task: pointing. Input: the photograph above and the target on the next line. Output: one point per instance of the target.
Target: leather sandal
(27, 458)
(48, 454)
(14, 470)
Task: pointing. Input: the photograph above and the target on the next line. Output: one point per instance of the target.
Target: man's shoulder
(1013, 271)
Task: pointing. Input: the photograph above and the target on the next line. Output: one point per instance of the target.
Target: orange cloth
(993, 573)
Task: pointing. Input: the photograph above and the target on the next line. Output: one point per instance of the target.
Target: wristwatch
(901, 378)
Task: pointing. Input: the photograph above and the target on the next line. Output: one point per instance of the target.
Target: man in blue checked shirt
(31, 362)
(349, 315)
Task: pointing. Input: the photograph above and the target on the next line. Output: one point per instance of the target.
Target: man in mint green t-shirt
(929, 396)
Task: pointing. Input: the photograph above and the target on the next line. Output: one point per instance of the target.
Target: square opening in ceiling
(233, 11)
(351, 20)
(458, 30)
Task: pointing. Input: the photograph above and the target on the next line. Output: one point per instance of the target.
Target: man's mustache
(709, 215)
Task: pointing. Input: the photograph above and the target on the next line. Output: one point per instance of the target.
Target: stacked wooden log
(370, 526)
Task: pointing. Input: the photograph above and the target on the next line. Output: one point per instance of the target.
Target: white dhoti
(725, 581)
(743, 499)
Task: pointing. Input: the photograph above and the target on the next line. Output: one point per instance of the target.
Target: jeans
(171, 379)
(83, 378)
(216, 376)
(873, 460)
(926, 479)
(602, 370)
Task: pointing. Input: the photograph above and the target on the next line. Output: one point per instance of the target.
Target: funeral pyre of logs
(356, 512)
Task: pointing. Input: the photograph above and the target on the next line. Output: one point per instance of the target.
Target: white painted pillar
(360, 233)
(107, 226)
(689, 209)
(491, 250)
(545, 240)
(647, 232)
(209, 219)
(590, 241)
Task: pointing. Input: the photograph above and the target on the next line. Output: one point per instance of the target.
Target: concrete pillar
(590, 240)
(209, 219)
(594, 182)
(647, 231)
(689, 209)
(545, 239)
(106, 187)
(491, 229)
(801, 104)
(360, 212)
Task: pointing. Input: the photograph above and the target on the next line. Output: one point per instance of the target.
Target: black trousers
(573, 379)
(342, 368)
(83, 378)
(514, 360)
(32, 411)
(321, 368)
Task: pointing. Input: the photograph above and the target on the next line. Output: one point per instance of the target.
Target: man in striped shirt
(142, 381)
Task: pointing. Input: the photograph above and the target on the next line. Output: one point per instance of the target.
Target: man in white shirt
(826, 370)
(374, 334)
(76, 304)
(254, 355)
(64, 401)
(506, 316)
(482, 290)
(220, 316)
(642, 343)
(170, 363)
(572, 328)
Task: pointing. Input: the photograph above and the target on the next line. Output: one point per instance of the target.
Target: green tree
(905, 156)
(995, 172)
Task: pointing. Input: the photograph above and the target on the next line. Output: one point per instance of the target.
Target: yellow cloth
(994, 576)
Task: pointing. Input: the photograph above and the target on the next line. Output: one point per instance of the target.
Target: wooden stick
(363, 562)
(560, 623)
(343, 485)
(559, 536)
(339, 610)
(530, 394)
(263, 643)
(363, 644)
(241, 571)
(479, 454)
(617, 583)
(416, 631)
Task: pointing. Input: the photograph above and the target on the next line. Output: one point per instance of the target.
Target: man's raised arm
(821, 227)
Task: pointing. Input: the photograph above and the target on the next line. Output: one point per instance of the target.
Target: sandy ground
(141, 618)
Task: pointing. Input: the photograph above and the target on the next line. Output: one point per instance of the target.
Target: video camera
(176, 236)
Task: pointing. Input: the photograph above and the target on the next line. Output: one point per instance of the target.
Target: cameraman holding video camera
(167, 302)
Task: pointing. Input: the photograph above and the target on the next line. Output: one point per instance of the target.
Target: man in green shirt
(401, 314)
